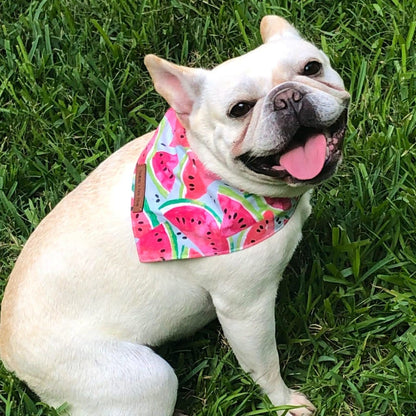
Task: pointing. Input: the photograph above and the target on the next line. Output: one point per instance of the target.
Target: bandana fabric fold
(186, 211)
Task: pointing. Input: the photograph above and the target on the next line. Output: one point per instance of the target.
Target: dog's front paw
(306, 408)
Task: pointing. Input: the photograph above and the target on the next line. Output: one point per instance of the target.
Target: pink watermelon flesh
(179, 138)
(200, 226)
(156, 242)
(306, 162)
(236, 217)
(142, 224)
(192, 178)
(261, 230)
(163, 165)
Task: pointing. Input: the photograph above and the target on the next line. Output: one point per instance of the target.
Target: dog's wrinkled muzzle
(309, 125)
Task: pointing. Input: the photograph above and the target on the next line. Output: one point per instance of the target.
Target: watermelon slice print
(179, 137)
(200, 226)
(163, 164)
(193, 177)
(156, 245)
(141, 224)
(261, 230)
(236, 217)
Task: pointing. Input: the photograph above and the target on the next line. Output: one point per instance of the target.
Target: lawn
(73, 89)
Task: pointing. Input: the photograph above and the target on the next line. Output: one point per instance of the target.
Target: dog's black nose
(288, 98)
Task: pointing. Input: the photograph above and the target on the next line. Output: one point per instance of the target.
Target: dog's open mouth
(311, 155)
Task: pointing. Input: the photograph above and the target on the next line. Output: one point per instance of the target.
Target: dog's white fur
(80, 310)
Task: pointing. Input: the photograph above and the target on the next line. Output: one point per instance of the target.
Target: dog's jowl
(220, 192)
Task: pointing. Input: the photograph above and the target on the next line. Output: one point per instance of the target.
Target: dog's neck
(181, 210)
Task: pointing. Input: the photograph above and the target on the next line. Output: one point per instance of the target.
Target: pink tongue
(306, 162)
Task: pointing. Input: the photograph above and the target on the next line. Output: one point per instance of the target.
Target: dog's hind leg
(110, 378)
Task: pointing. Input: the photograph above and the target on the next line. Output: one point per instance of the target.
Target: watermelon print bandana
(180, 210)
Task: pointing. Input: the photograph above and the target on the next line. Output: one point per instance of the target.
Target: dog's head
(270, 122)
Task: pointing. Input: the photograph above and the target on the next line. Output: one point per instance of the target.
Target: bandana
(180, 210)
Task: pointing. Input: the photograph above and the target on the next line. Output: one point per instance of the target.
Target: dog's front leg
(248, 323)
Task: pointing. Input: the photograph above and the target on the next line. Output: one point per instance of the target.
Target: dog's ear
(275, 27)
(180, 86)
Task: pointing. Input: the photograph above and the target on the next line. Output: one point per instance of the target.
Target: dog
(194, 221)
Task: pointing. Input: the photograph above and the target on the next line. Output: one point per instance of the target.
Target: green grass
(73, 89)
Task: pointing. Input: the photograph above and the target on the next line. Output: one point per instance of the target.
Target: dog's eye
(240, 109)
(312, 68)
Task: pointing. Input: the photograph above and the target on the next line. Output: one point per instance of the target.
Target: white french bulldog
(87, 300)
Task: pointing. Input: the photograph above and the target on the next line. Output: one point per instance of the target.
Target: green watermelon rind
(242, 237)
(184, 254)
(189, 202)
(173, 243)
(264, 206)
(182, 189)
(152, 217)
(225, 190)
